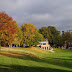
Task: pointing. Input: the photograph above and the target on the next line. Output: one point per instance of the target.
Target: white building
(44, 45)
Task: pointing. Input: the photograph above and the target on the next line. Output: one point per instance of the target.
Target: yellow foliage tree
(30, 34)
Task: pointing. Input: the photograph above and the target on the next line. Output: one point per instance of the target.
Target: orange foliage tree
(8, 30)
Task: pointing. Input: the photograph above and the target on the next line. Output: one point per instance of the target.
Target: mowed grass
(35, 60)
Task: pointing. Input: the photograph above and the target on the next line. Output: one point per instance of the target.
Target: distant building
(44, 45)
(70, 31)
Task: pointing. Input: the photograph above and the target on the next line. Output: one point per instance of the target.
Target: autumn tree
(30, 34)
(0, 38)
(19, 37)
(7, 28)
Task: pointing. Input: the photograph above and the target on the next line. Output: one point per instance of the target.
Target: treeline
(52, 34)
(55, 38)
(28, 34)
(11, 33)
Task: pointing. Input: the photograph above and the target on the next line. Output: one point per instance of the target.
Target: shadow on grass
(60, 61)
(50, 60)
(17, 68)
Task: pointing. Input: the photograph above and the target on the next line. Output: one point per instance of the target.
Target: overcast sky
(56, 13)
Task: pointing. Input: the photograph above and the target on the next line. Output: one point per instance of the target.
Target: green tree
(38, 37)
(52, 34)
(66, 38)
(44, 31)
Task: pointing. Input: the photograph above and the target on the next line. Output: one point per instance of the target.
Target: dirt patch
(17, 50)
(17, 55)
(39, 50)
(11, 54)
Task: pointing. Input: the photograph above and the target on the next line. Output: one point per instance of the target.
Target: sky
(41, 13)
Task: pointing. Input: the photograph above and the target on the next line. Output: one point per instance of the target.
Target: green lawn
(35, 60)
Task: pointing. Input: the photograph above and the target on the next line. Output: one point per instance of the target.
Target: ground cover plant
(35, 60)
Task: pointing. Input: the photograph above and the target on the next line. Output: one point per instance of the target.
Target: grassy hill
(35, 60)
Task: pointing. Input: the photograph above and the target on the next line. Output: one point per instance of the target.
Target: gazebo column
(46, 48)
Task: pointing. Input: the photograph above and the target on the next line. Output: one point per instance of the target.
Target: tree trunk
(0, 46)
(10, 45)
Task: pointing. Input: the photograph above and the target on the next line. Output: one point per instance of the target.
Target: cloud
(13, 5)
(39, 17)
(56, 13)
